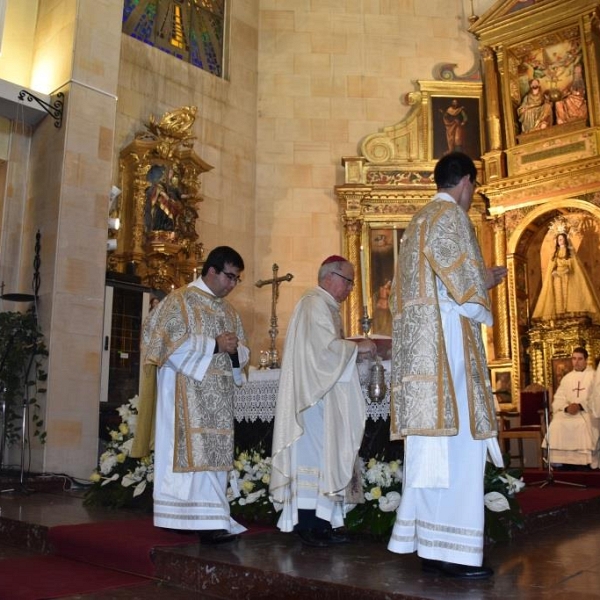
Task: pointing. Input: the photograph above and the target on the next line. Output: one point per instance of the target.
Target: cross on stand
(274, 282)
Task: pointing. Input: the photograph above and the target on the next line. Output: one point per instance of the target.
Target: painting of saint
(456, 126)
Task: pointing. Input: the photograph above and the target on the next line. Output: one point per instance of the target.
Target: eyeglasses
(350, 281)
(232, 277)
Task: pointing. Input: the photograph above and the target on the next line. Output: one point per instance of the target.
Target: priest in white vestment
(442, 402)
(573, 431)
(319, 414)
(194, 343)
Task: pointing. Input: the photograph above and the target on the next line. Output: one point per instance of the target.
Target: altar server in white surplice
(573, 431)
(443, 405)
(193, 347)
(320, 413)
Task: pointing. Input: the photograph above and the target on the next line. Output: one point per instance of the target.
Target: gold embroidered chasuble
(204, 417)
(439, 242)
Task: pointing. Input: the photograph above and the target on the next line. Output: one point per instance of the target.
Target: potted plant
(22, 377)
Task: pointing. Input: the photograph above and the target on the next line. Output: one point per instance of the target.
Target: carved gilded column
(353, 309)
(493, 158)
(350, 199)
(591, 36)
(490, 88)
(500, 293)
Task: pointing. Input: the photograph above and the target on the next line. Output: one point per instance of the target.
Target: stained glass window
(191, 30)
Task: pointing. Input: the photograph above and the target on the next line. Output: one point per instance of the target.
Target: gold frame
(471, 100)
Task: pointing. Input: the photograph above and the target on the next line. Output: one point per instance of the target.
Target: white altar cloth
(255, 399)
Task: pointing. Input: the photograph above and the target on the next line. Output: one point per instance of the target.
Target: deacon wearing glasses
(320, 413)
(193, 344)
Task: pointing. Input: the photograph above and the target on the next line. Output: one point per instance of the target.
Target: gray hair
(330, 267)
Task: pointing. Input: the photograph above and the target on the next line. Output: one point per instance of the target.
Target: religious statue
(535, 110)
(566, 288)
(163, 203)
(573, 106)
(455, 120)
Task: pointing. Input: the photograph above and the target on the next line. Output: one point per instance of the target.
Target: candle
(363, 275)
(195, 272)
(172, 287)
(395, 242)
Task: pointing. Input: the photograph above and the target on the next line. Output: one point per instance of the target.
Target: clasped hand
(227, 342)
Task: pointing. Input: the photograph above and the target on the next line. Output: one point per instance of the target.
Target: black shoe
(454, 570)
(216, 536)
(313, 538)
(334, 537)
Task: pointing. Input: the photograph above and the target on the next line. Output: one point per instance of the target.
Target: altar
(254, 410)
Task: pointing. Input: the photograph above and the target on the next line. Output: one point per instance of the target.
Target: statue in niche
(566, 287)
(535, 110)
(163, 200)
(573, 106)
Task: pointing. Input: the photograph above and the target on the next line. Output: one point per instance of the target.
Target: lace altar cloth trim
(255, 400)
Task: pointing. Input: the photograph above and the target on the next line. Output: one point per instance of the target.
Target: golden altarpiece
(530, 118)
(160, 178)
(155, 249)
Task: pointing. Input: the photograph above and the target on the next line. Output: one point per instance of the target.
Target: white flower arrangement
(119, 479)
(382, 482)
(248, 491)
(382, 487)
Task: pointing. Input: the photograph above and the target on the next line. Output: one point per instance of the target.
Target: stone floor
(557, 559)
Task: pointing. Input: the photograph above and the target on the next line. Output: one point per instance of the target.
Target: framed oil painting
(456, 125)
(560, 367)
(502, 385)
(383, 259)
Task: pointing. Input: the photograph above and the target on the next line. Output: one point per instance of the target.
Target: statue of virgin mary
(566, 287)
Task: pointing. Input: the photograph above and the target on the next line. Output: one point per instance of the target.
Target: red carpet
(92, 557)
(123, 545)
(534, 499)
(590, 479)
(40, 577)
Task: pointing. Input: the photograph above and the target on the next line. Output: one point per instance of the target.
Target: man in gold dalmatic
(442, 404)
(193, 343)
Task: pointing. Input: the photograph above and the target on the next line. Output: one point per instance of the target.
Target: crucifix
(275, 282)
(578, 389)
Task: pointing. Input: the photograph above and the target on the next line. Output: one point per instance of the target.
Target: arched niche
(537, 346)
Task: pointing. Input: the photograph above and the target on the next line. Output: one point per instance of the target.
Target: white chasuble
(319, 415)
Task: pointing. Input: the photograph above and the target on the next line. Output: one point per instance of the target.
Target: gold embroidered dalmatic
(204, 418)
(439, 242)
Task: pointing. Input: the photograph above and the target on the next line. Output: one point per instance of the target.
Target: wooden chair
(531, 424)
